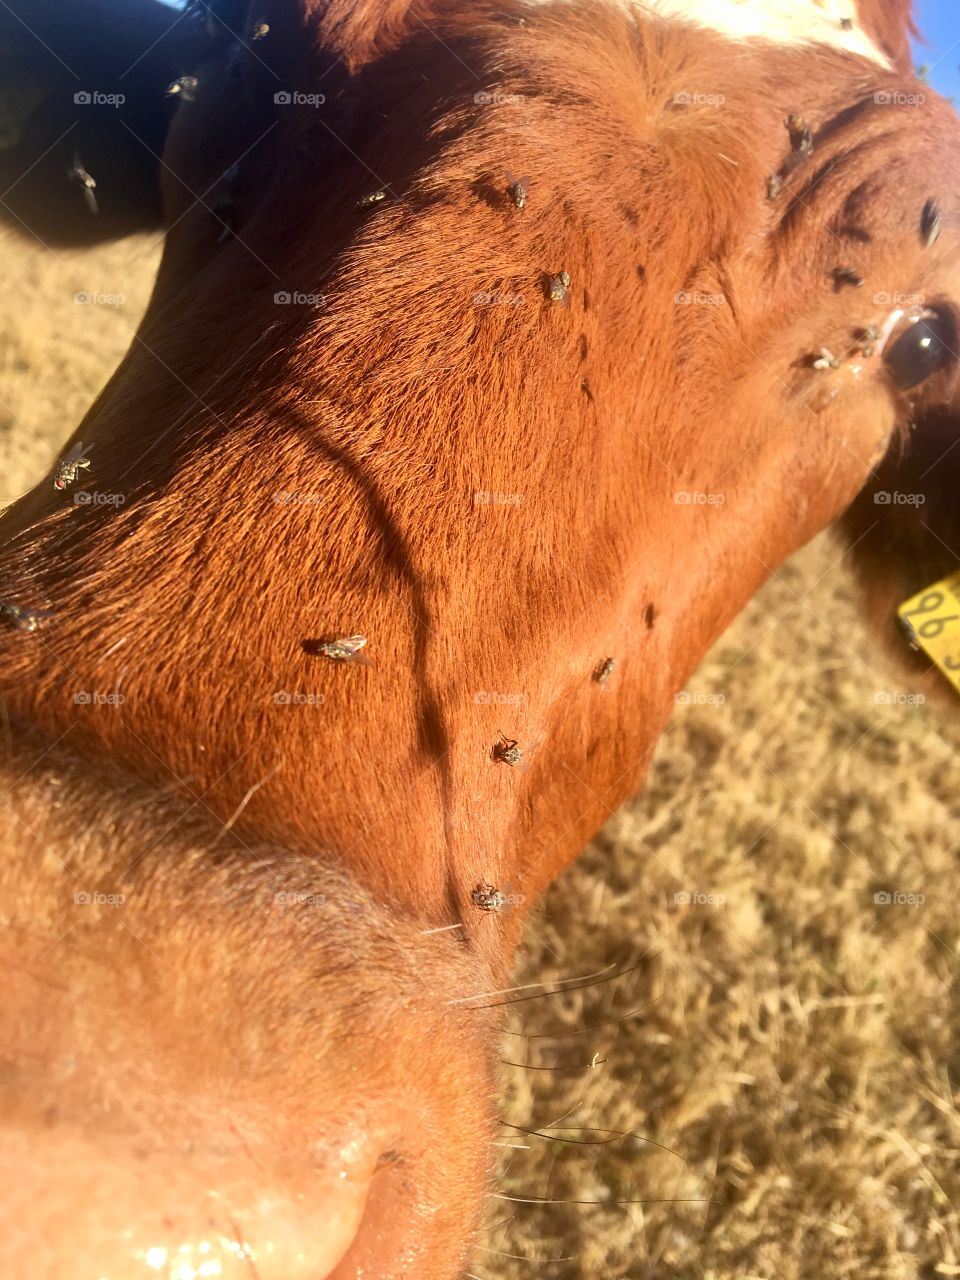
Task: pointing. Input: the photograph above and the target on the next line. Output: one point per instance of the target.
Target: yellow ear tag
(931, 622)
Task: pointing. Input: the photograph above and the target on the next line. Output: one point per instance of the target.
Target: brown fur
(389, 407)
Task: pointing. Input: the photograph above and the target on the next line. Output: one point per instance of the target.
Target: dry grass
(797, 1044)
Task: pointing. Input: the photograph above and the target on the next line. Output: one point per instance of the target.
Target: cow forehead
(831, 22)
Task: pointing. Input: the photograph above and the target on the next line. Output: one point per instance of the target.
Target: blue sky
(939, 21)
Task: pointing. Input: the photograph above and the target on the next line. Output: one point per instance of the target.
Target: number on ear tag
(931, 620)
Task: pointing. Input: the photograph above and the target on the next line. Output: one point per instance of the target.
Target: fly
(23, 619)
(847, 276)
(345, 649)
(558, 287)
(604, 671)
(931, 221)
(487, 898)
(517, 189)
(826, 360)
(77, 173)
(801, 135)
(507, 750)
(184, 87)
(69, 468)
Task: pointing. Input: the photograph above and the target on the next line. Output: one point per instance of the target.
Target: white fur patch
(795, 22)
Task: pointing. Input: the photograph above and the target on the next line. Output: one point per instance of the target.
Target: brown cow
(501, 346)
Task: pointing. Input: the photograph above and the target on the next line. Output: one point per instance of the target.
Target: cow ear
(83, 93)
(904, 531)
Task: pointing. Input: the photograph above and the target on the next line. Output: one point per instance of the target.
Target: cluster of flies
(844, 276)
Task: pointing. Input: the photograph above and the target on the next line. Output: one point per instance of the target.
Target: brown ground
(797, 1046)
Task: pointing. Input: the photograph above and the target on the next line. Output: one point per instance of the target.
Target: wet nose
(82, 1209)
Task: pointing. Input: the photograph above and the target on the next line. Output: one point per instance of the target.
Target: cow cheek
(857, 421)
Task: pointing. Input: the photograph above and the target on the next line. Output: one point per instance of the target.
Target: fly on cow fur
(801, 135)
(184, 87)
(486, 897)
(826, 360)
(506, 751)
(931, 221)
(372, 198)
(344, 649)
(69, 467)
(843, 276)
(603, 671)
(517, 189)
(23, 619)
(868, 337)
(558, 288)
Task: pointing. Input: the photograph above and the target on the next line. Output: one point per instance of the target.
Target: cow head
(520, 343)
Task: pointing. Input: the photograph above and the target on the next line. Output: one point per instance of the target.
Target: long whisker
(482, 995)
(590, 1142)
(586, 1066)
(520, 1258)
(573, 1142)
(502, 1223)
(582, 1031)
(497, 1195)
(597, 982)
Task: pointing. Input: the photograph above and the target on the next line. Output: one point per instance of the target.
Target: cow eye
(925, 347)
